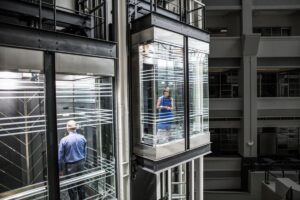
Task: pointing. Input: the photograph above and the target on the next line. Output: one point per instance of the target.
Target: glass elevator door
(85, 114)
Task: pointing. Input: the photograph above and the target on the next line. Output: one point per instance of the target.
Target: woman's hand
(168, 108)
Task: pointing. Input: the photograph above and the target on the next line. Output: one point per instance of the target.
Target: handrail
(275, 165)
(42, 189)
(181, 11)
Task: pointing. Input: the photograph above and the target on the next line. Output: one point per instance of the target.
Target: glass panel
(223, 84)
(196, 13)
(86, 137)
(288, 141)
(22, 131)
(198, 86)
(267, 84)
(161, 89)
(224, 141)
(171, 5)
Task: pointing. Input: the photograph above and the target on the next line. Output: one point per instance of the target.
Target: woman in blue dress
(165, 105)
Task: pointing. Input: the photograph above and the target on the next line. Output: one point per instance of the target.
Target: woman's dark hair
(167, 89)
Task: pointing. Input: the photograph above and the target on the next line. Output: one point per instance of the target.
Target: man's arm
(61, 155)
(85, 149)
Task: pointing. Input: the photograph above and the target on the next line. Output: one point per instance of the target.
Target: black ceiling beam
(32, 9)
(161, 21)
(25, 37)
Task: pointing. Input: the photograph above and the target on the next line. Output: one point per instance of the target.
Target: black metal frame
(34, 10)
(45, 15)
(19, 36)
(51, 42)
(186, 95)
(151, 6)
(51, 126)
(157, 20)
(155, 166)
(161, 21)
(187, 109)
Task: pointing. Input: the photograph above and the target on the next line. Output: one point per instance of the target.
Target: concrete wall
(229, 20)
(254, 193)
(268, 192)
(222, 173)
(277, 19)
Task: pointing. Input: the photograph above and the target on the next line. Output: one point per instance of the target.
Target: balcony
(276, 4)
(223, 5)
(225, 108)
(225, 47)
(278, 107)
(288, 46)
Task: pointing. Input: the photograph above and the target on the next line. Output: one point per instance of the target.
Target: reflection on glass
(161, 89)
(165, 105)
(72, 153)
(196, 13)
(22, 130)
(85, 121)
(223, 83)
(198, 86)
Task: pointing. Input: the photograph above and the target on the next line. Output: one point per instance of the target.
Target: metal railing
(191, 12)
(84, 17)
(269, 165)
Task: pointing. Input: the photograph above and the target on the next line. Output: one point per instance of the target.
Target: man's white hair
(71, 124)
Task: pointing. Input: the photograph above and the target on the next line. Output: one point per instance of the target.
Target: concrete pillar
(247, 16)
(250, 43)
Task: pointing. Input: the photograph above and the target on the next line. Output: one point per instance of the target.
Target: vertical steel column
(198, 164)
(151, 5)
(158, 187)
(203, 18)
(40, 14)
(201, 178)
(105, 36)
(121, 35)
(186, 3)
(187, 181)
(169, 182)
(164, 183)
(186, 95)
(51, 126)
(54, 15)
(192, 180)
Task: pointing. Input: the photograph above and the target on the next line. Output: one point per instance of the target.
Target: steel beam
(158, 166)
(51, 127)
(25, 37)
(158, 20)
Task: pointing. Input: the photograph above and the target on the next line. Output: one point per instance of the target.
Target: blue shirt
(166, 116)
(72, 148)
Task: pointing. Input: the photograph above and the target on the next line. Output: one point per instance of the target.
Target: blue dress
(165, 116)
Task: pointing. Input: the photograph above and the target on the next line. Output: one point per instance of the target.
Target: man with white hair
(72, 152)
